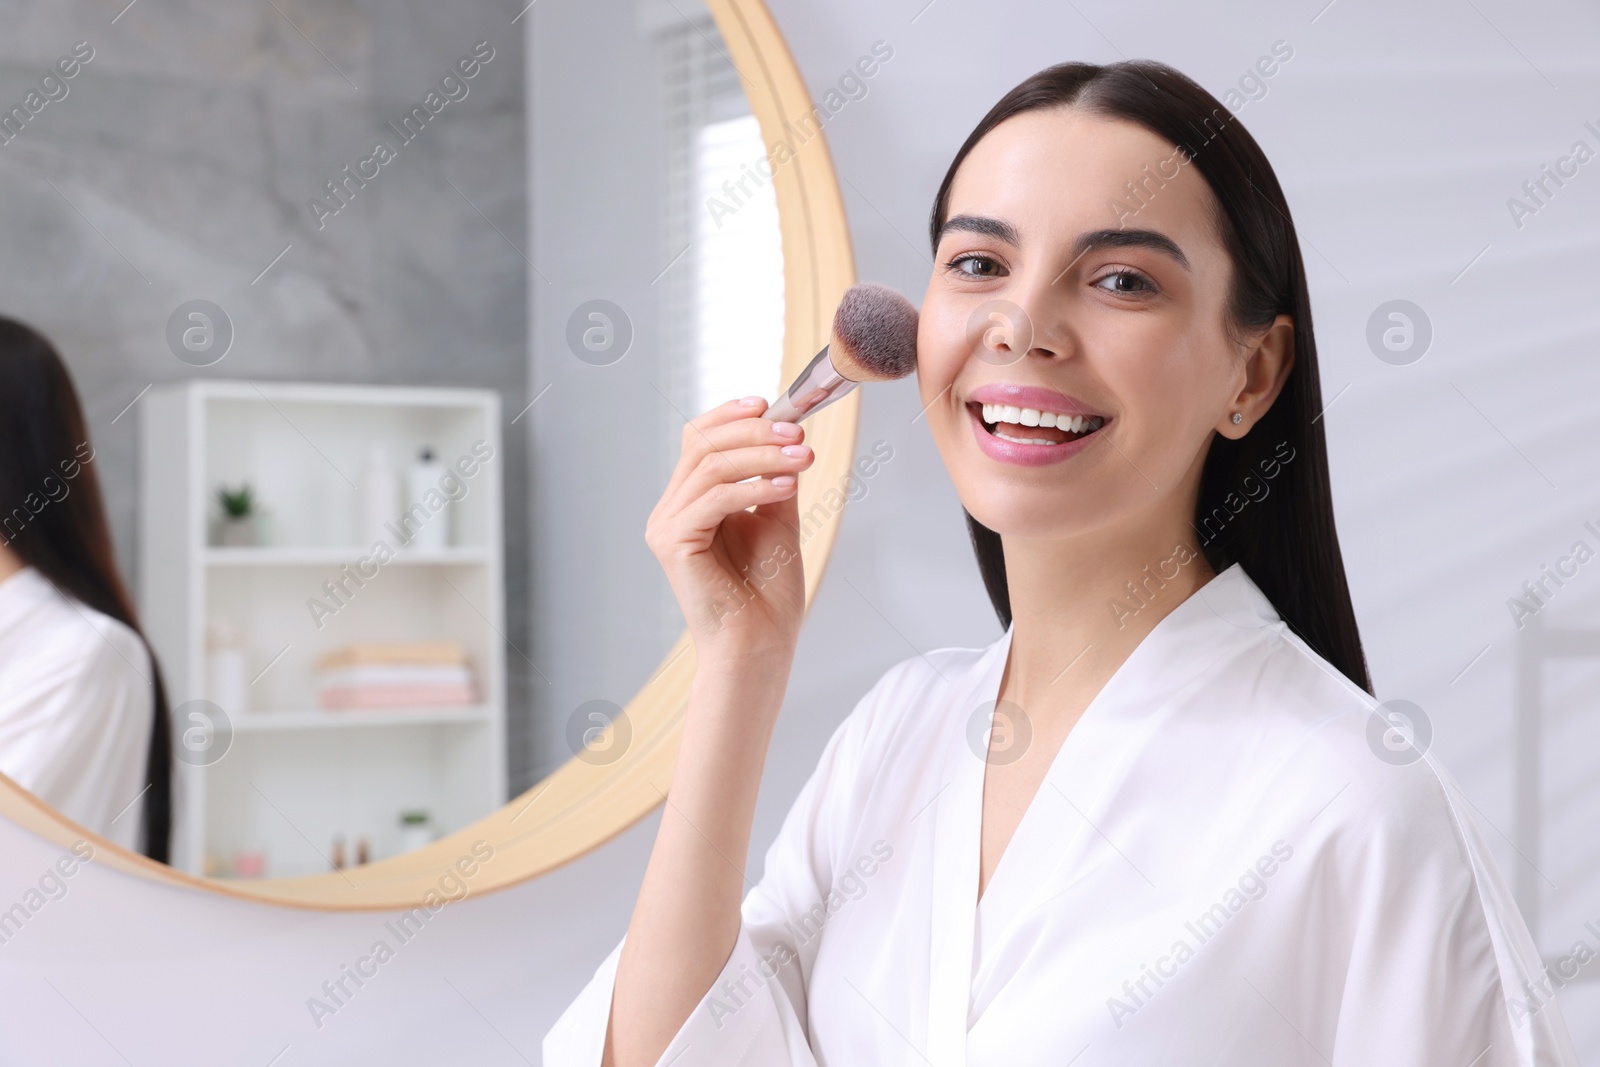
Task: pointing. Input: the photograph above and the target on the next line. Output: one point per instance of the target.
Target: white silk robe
(75, 706)
(1229, 862)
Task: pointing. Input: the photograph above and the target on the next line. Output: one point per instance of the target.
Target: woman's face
(1124, 332)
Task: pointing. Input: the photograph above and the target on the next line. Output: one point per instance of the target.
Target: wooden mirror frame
(584, 804)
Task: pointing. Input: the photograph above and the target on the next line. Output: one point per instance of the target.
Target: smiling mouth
(1031, 426)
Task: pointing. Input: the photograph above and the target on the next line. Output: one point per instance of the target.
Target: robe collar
(1226, 613)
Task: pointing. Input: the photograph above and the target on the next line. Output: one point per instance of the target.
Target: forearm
(687, 916)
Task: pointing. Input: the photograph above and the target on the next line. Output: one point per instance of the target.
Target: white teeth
(996, 413)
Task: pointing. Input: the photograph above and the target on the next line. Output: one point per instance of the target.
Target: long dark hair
(68, 541)
(1286, 542)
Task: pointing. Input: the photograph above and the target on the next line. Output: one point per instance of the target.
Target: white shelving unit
(294, 775)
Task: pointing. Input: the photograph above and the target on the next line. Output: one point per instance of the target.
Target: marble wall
(179, 163)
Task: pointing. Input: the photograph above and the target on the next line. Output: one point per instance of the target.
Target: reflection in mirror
(297, 309)
(722, 288)
(656, 213)
(337, 651)
(83, 716)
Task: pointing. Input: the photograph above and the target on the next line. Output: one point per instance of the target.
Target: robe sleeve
(754, 1013)
(1442, 964)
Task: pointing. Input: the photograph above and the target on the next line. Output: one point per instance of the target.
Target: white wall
(1398, 132)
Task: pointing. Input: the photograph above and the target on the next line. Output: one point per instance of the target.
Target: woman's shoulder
(926, 672)
(912, 682)
(898, 718)
(1366, 766)
(51, 634)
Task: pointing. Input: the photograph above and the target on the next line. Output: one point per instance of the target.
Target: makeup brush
(874, 340)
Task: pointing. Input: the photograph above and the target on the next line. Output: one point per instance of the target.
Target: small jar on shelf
(416, 829)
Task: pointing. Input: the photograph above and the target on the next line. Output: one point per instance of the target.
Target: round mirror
(382, 508)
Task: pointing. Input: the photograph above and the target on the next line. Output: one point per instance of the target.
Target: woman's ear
(1267, 363)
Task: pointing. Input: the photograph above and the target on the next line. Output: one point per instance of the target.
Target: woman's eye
(1135, 282)
(984, 267)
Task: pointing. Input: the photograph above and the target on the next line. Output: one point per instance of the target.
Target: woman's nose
(1000, 332)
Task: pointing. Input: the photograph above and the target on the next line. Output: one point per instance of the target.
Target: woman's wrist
(742, 690)
(741, 659)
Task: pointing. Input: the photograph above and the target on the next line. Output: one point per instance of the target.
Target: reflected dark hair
(1286, 542)
(68, 541)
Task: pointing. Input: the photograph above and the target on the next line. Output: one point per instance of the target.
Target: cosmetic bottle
(227, 681)
(380, 499)
(429, 528)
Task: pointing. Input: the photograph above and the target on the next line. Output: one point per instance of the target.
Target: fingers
(737, 465)
(693, 526)
(700, 518)
(722, 450)
(694, 431)
(730, 425)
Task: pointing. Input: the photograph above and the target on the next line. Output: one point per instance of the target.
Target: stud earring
(1237, 418)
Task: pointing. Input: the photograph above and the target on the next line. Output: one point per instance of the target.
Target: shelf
(358, 718)
(279, 556)
(302, 447)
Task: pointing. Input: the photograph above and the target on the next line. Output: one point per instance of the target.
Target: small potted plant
(416, 829)
(238, 516)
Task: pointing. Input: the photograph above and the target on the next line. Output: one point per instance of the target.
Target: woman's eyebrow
(1001, 230)
(1117, 238)
(984, 226)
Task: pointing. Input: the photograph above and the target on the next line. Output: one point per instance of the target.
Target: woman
(83, 713)
(1161, 819)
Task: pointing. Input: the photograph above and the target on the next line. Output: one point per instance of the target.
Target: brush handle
(819, 385)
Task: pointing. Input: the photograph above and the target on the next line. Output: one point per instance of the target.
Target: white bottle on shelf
(380, 499)
(227, 682)
(429, 529)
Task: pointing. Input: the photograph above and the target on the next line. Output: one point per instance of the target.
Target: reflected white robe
(1218, 869)
(75, 706)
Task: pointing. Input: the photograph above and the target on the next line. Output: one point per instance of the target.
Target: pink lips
(1025, 396)
(1028, 396)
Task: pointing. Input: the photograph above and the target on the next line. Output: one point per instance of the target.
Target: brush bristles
(875, 334)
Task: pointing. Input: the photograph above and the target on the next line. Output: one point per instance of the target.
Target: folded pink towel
(396, 696)
(394, 674)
